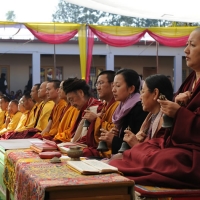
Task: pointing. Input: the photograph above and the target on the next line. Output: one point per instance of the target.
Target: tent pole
(156, 57)
(54, 59)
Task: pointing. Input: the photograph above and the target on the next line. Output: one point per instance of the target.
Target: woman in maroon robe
(172, 161)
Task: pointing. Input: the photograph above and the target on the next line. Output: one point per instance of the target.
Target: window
(185, 73)
(46, 73)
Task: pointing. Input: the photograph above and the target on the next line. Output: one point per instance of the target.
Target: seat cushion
(152, 191)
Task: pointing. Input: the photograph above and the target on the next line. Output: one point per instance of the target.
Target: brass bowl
(75, 152)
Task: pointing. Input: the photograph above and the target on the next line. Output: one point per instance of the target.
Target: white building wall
(18, 56)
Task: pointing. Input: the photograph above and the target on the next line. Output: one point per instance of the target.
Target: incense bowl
(75, 153)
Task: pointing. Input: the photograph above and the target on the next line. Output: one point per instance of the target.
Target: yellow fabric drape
(53, 28)
(173, 32)
(118, 30)
(83, 51)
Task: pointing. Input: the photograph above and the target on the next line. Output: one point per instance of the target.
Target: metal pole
(157, 57)
(54, 59)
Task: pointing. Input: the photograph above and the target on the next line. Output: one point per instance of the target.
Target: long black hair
(162, 83)
(131, 78)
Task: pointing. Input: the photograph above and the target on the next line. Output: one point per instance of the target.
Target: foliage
(10, 16)
(71, 13)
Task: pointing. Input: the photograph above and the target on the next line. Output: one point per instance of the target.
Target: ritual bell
(86, 123)
(102, 146)
(124, 147)
(167, 121)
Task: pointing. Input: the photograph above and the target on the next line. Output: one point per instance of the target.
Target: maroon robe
(174, 160)
(91, 102)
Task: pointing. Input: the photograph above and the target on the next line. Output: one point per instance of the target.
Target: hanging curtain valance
(57, 33)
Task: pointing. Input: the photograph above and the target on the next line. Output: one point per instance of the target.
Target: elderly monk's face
(76, 99)
(192, 51)
(104, 88)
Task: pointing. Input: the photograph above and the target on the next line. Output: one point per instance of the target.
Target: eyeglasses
(99, 83)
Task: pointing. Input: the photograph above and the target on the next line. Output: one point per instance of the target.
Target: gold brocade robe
(67, 124)
(55, 117)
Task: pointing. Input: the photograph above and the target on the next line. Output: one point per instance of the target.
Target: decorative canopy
(171, 10)
(57, 33)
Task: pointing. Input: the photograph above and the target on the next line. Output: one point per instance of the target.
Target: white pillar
(36, 67)
(110, 61)
(177, 72)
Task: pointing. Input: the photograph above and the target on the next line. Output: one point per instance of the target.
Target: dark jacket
(134, 120)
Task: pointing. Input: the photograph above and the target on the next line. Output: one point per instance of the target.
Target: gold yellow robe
(2, 117)
(22, 121)
(55, 117)
(105, 122)
(44, 113)
(31, 117)
(14, 120)
(67, 124)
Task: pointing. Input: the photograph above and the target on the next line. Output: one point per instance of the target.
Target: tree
(10, 16)
(68, 12)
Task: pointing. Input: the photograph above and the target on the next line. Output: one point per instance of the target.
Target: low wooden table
(110, 191)
(37, 178)
(10, 144)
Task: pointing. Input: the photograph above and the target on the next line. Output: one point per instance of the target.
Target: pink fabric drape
(169, 41)
(53, 38)
(118, 41)
(90, 43)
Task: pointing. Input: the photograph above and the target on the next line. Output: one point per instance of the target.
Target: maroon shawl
(172, 161)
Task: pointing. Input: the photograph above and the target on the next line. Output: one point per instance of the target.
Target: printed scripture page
(82, 167)
(101, 166)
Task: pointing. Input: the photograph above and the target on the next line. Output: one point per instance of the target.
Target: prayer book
(87, 167)
(64, 147)
(44, 145)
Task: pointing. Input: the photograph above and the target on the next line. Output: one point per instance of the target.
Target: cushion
(153, 191)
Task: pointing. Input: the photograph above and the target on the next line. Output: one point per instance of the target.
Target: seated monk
(129, 113)
(78, 95)
(152, 88)
(67, 119)
(4, 101)
(104, 85)
(172, 160)
(41, 116)
(52, 91)
(26, 121)
(13, 117)
(23, 117)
